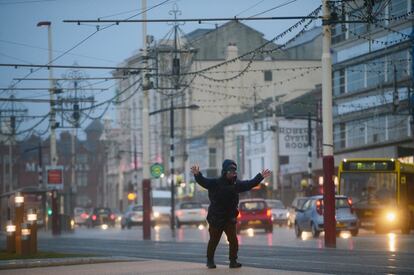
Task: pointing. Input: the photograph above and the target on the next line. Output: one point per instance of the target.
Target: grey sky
(21, 41)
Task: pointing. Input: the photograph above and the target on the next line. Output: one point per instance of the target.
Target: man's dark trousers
(215, 236)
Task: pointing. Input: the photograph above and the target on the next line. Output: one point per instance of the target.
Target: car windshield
(102, 211)
(275, 204)
(161, 202)
(191, 205)
(252, 205)
(137, 208)
(341, 203)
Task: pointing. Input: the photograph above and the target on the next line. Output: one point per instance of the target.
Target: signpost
(157, 170)
(54, 177)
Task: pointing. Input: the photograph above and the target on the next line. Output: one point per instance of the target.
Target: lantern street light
(11, 235)
(171, 110)
(32, 218)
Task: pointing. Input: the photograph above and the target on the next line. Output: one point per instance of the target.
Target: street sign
(54, 177)
(157, 170)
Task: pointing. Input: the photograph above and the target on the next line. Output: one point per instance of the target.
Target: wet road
(281, 236)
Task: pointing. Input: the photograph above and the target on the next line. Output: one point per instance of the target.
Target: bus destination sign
(368, 165)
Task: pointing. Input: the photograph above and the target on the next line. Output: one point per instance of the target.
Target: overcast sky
(22, 42)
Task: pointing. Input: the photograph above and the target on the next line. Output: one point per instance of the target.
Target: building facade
(373, 82)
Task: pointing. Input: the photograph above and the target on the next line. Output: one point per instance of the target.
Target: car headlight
(156, 214)
(391, 216)
(287, 214)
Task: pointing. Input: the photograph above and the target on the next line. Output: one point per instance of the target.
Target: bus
(381, 190)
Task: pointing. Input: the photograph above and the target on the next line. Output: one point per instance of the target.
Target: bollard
(32, 218)
(18, 220)
(25, 240)
(11, 237)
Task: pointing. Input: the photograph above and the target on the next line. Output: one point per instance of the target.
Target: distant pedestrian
(223, 193)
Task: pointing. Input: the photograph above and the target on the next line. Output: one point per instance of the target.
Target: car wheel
(315, 231)
(354, 232)
(298, 231)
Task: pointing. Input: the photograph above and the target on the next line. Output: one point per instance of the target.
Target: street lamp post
(172, 170)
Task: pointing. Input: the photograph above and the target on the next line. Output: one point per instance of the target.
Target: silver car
(310, 216)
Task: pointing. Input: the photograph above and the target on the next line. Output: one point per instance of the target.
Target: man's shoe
(211, 264)
(234, 264)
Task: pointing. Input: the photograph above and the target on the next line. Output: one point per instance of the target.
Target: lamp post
(172, 170)
(11, 237)
(25, 240)
(32, 218)
(18, 220)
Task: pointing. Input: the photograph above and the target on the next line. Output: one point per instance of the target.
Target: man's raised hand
(195, 169)
(266, 173)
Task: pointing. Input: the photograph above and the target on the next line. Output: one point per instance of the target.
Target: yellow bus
(381, 190)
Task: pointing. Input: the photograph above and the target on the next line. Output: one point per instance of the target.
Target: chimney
(232, 51)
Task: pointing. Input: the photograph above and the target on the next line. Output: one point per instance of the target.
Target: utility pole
(53, 125)
(328, 158)
(176, 79)
(146, 181)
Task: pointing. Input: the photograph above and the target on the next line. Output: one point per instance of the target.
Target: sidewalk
(124, 265)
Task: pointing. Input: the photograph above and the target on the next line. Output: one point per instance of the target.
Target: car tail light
(350, 205)
(112, 217)
(319, 207)
(239, 216)
(84, 216)
(94, 217)
(203, 212)
(269, 212)
(179, 213)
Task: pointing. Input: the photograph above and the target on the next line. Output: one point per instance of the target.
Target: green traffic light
(49, 211)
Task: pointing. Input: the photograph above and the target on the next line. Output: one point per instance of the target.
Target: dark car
(254, 213)
(101, 216)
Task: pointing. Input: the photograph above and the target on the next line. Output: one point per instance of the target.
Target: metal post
(172, 172)
(310, 184)
(146, 181)
(328, 159)
(276, 149)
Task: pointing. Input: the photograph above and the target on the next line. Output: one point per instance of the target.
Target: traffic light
(49, 211)
(76, 114)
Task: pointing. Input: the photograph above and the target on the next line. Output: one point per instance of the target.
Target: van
(161, 206)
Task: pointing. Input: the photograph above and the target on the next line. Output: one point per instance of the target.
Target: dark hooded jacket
(224, 195)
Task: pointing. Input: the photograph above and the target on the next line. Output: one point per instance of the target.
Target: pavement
(123, 265)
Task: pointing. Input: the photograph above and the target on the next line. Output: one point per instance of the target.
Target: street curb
(30, 263)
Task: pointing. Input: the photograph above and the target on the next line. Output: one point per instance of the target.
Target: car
(188, 212)
(80, 216)
(161, 206)
(254, 213)
(296, 203)
(279, 212)
(310, 216)
(132, 216)
(101, 216)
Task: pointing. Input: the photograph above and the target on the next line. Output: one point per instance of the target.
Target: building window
(376, 130)
(82, 179)
(400, 62)
(397, 127)
(375, 72)
(338, 33)
(268, 75)
(339, 136)
(212, 158)
(397, 8)
(355, 133)
(355, 78)
(339, 82)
